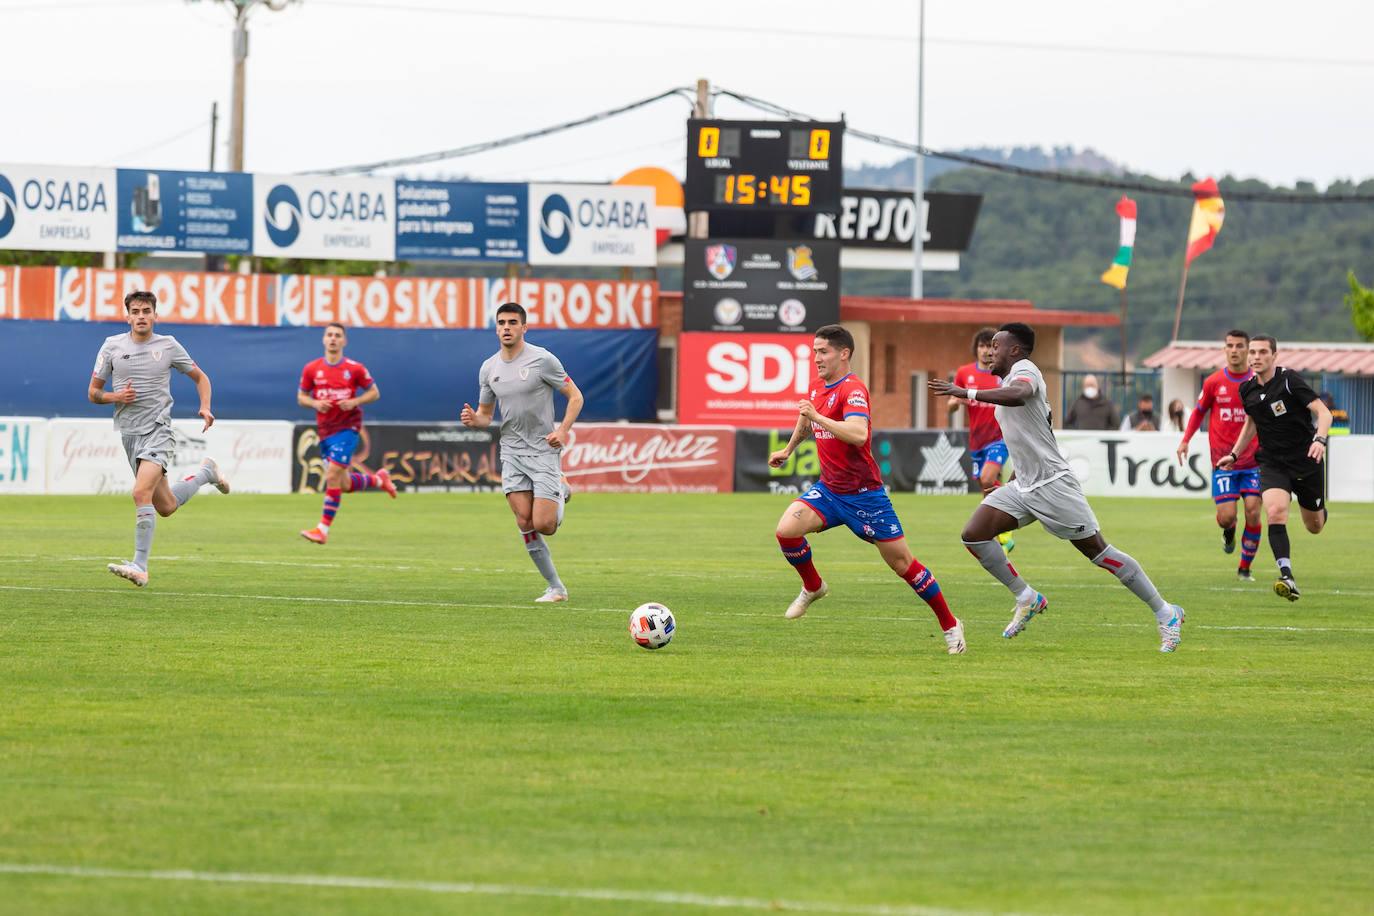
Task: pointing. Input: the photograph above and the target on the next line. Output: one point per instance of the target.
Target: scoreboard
(764, 166)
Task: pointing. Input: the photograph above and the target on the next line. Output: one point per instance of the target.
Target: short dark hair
(335, 324)
(515, 307)
(140, 295)
(984, 336)
(1237, 332)
(1146, 396)
(837, 336)
(1021, 333)
(1273, 344)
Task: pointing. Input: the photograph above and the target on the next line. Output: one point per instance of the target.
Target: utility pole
(919, 228)
(240, 10)
(698, 223)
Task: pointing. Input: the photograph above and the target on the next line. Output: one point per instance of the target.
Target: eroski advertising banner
(318, 216)
(649, 458)
(51, 208)
(591, 224)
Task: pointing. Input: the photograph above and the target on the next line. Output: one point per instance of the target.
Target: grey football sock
(543, 561)
(183, 490)
(1125, 568)
(145, 520)
(995, 561)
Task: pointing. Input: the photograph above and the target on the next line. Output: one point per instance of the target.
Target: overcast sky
(1244, 87)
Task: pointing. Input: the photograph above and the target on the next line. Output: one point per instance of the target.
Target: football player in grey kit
(1044, 489)
(139, 364)
(523, 378)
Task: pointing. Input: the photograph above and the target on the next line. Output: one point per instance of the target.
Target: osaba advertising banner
(911, 461)
(318, 216)
(50, 208)
(437, 456)
(185, 211)
(592, 224)
(461, 221)
(760, 285)
(291, 300)
(618, 458)
(742, 379)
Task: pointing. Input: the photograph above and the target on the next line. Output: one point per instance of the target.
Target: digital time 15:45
(744, 189)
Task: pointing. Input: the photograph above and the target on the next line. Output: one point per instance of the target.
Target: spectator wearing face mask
(1176, 415)
(1090, 410)
(1143, 418)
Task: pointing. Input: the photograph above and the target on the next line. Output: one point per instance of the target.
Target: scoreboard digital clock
(764, 166)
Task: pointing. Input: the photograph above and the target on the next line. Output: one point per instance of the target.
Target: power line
(703, 25)
(199, 125)
(487, 145)
(1119, 184)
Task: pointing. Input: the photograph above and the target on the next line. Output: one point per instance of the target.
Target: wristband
(1321, 439)
(1233, 456)
(972, 393)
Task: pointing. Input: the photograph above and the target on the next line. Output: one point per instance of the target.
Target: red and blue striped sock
(1249, 545)
(331, 506)
(923, 583)
(798, 553)
(358, 482)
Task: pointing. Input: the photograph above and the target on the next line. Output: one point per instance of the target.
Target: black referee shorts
(1306, 482)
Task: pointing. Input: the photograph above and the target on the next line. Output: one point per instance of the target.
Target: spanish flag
(1116, 274)
(1208, 212)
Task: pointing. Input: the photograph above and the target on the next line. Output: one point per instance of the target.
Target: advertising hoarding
(319, 216)
(52, 208)
(161, 210)
(591, 224)
(760, 285)
(461, 221)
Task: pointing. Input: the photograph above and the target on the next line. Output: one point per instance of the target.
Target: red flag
(1208, 212)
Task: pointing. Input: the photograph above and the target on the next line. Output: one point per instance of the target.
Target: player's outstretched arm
(1013, 394)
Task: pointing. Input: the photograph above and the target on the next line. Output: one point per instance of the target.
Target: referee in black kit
(1292, 451)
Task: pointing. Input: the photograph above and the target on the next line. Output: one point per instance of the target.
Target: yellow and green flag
(1116, 274)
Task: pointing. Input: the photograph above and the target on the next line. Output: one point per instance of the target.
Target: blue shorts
(338, 448)
(1229, 486)
(869, 514)
(995, 452)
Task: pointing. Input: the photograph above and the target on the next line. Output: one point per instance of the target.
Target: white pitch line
(711, 901)
(615, 610)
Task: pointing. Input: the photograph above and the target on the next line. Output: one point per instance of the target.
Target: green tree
(1360, 301)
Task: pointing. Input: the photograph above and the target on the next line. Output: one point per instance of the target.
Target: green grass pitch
(389, 724)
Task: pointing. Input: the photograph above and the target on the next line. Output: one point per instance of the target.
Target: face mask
(1090, 392)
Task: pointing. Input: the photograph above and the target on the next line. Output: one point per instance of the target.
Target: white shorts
(155, 446)
(541, 473)
(1059, 506)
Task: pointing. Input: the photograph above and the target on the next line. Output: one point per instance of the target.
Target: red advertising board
(94, 294)
(748, 380)
(620, 458)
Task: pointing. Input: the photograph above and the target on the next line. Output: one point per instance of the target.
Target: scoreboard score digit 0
(764, 166)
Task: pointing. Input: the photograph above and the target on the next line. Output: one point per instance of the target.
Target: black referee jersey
(1282, 420)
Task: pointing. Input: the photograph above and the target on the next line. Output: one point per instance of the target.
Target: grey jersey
(524, 390)
(148, 365)
(1026, 429)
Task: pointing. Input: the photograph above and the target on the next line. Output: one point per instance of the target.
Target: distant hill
(1276, 268)
(1060, 159)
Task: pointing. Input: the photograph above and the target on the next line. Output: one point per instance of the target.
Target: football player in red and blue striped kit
(850, 491)
(336, 388)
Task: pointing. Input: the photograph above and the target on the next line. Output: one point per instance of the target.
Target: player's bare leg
(897, 556)
(797, 521)
(989, 479)
(528, 515)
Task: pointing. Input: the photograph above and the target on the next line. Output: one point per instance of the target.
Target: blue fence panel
(424, 375)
